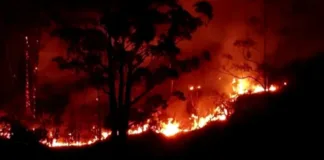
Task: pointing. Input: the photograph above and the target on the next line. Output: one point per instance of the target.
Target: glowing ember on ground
(139, 129)
(5, 131)
(172, 127)
(56, 143)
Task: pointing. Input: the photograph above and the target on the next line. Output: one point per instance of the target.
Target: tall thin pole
(265, 45)
(35, 69)
(27, 76)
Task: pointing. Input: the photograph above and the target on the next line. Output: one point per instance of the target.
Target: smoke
(293, 32)
(228, 24)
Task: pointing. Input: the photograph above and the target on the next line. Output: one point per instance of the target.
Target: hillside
(284, 124)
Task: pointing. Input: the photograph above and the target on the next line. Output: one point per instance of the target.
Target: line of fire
(54, 137)
(75, 125)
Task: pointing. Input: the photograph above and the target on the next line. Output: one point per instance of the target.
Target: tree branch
(141, 96)
(121, 84)
(242, 77)
(139, 63)
(111, 79)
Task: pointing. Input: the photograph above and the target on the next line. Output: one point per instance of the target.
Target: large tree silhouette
(115, 52)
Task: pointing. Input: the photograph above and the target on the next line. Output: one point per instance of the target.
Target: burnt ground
(282, 125)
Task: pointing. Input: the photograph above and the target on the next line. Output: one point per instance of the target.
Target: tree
(253, 67)
(249, 68)
(51, 105)
(115, 53)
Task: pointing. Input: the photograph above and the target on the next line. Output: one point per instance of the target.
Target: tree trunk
(113, 121)
(113, 113)
(123, 127)
(124, 113)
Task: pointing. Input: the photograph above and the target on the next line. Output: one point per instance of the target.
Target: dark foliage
(113, 53)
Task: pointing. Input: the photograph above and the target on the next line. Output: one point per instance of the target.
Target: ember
(5, 130)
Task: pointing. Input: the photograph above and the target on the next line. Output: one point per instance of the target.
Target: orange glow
(172, 126)
(244, 86)
(58, 143)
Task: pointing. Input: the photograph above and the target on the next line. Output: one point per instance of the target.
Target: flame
(53, 142)
(169, 128)
(245, 86)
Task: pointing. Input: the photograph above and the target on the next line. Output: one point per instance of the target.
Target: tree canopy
(115, 51)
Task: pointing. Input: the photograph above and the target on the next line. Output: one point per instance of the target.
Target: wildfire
(53, 142)
(243, 86)
(172, 127)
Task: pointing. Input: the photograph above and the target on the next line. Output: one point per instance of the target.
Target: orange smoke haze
(300, 18)
(229, 24)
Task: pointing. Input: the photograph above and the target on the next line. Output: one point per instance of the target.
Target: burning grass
(169, 128)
